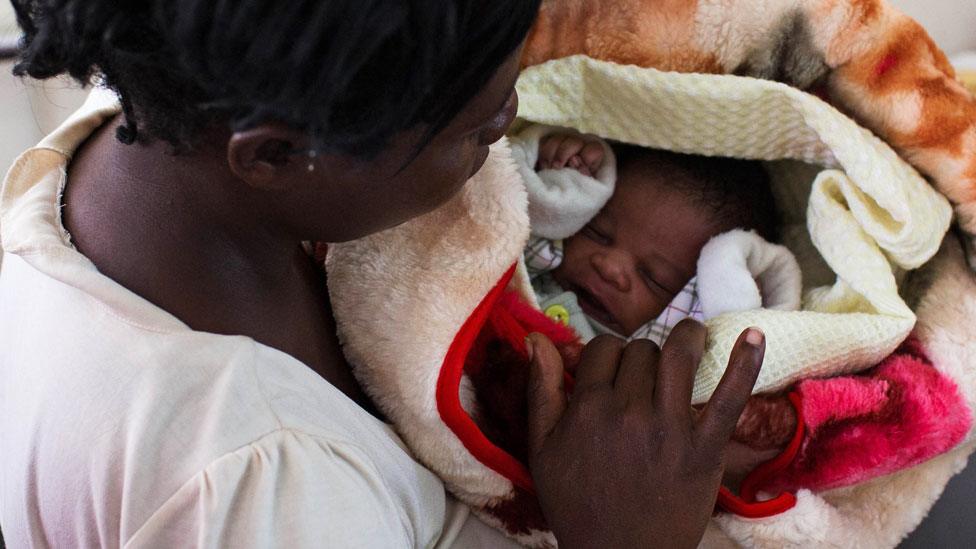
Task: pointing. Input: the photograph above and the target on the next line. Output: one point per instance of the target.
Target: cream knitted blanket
(869, 213)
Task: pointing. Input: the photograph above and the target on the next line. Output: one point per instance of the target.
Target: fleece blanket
(432, 312)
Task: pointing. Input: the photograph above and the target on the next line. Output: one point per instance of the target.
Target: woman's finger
(680, 357)
(638, 364)
(721, 414)
(598, 363)
(546, 397)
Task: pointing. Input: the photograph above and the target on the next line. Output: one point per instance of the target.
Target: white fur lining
(401, 295)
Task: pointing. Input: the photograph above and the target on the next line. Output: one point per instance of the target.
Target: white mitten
(561, 201)
(739, 270)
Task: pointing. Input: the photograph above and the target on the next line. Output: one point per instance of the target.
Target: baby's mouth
(594, 307)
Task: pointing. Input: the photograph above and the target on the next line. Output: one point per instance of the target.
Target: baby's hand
(583, 153)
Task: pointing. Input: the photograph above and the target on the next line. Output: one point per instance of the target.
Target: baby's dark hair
(736, 192)
(351, 73)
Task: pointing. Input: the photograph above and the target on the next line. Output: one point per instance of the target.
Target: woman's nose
(614, 268)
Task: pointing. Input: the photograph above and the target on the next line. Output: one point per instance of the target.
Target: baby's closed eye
(655, 284)
(596, 234)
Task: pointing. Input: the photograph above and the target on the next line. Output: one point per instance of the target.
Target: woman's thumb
(546, 397)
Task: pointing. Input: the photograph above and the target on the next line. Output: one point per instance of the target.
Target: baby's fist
(583, 153)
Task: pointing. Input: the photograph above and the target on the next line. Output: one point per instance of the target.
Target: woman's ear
(265, 156)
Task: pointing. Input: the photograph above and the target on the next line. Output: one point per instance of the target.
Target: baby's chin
(637, 324)
(627, 329)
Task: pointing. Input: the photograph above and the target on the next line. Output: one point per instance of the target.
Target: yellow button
(558, 313)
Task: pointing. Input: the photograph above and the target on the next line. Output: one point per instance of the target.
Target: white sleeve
(561, 201)
(292, 490)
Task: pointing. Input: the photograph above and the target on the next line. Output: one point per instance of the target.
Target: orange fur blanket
(867, 58)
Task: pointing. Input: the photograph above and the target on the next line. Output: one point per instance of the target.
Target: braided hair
(350, 73)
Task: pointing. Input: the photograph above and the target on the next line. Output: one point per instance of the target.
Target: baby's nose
(614, 268)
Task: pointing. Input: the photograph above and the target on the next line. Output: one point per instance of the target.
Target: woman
(171, 373)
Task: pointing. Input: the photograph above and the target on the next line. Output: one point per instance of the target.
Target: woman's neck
(182, 233)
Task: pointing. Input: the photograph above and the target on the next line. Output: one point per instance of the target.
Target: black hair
(735, 192)
(351, 73)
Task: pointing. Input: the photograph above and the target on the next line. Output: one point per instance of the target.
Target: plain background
(29, 111)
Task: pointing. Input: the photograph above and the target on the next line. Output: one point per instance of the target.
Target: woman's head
(371, 83)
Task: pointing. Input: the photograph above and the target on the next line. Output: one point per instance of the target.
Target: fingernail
(528, 348)
(754, 336)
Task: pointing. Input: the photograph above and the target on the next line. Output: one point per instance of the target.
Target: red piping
(746, 505)
(449, 401)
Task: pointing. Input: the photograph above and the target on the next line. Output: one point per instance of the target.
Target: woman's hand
(624, 463)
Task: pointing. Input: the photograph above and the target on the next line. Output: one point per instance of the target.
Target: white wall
(30, 110)
(952, 23)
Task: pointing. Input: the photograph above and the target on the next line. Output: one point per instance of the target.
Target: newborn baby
(629, 241)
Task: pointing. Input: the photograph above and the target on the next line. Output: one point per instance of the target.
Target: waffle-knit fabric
(869, 213)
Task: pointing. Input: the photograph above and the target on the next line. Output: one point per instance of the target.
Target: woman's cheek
(481, 156)
(449, 173)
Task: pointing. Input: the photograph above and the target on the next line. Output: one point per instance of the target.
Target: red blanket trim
(495, 458)
(746, 505)
(449, 401)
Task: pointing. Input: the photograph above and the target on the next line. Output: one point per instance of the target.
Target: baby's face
(633, 258)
